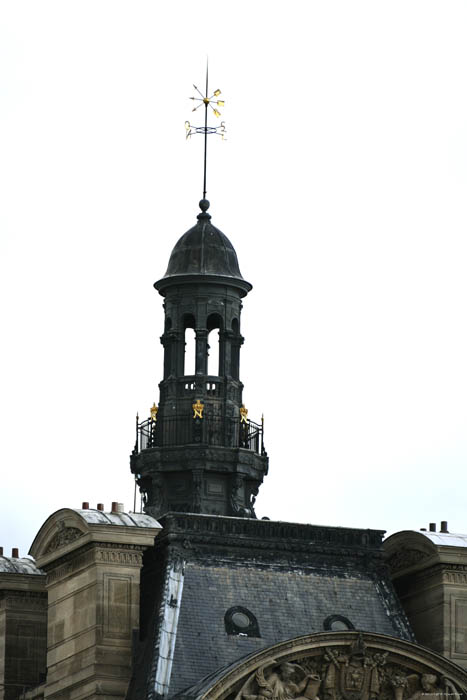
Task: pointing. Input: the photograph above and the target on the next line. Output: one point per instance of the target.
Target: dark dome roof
(203, 250)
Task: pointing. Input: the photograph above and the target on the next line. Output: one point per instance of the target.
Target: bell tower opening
(189, 364)
(214, 326)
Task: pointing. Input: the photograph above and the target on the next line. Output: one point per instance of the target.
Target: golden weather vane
(207, 101)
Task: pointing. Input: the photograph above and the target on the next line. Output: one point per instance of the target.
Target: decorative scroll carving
(63, 537)
(344, 673)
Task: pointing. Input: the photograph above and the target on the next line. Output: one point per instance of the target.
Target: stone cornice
(24, 600)
(444, 573)
(23, 583)
(94, 553)
(264, 539)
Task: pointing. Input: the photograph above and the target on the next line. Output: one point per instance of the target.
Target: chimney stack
(444, 526)
(15, 553)
(423, 529)
(1, 551)
(432, 527)
(100, 506)
(85, 505)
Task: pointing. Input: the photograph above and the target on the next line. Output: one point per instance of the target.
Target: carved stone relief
(64, 536)
(344, 673)
(405, 558)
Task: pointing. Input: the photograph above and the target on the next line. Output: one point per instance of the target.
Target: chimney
(100, 506)
(114, 507)
(15, 553)
(423, 529)
(1, 551)
(444, 526)
(432, 527)
(85, 505)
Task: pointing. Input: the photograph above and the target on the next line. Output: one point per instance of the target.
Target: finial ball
(204, 205)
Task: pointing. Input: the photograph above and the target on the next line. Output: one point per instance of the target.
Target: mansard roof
(232, 586)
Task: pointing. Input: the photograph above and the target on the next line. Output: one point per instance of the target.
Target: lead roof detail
(203, 250)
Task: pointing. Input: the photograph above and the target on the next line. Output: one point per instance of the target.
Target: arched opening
(214, 326)
(190, 345)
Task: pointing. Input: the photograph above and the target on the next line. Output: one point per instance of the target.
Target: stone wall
(23, 614)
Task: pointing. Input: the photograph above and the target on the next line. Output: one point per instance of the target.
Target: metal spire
(206, 129)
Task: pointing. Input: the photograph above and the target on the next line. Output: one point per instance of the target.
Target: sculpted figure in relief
(345, 673)
(287, 681)
(431, 688)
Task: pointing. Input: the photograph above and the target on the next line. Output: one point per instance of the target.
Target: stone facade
(429, 571)
(93, 561)
(23, 625)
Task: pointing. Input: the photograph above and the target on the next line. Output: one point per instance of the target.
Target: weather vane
(208, 102)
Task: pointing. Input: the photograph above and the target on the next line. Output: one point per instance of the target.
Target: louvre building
(197, 598)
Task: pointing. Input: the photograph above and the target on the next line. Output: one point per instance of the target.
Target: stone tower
(199, 452)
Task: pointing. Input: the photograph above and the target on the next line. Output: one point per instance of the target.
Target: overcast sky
(342, 186)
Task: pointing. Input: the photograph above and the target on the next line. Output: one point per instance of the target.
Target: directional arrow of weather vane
(208, 102)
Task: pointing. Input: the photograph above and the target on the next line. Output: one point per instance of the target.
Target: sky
(342, 186)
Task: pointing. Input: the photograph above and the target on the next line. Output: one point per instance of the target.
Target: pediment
(409, 550)
(64, 536)
(59, 534)
(347, 665)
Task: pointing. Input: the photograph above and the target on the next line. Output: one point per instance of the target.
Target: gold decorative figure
(198, 408)
(243, 414)
(154, 411)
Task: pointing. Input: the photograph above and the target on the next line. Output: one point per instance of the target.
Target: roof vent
(432, 527)
(444, 526)
(15, 553)
(100, 506)
(85, 505)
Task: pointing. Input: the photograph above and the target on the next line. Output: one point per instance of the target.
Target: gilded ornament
(198, 408)
(243, 414)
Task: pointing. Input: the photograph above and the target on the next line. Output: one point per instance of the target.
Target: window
(335, 623)
(241, 622)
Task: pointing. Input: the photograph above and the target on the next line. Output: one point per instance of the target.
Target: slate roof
(291, 577)
(19, 565)
(99, 517)
(446, 539)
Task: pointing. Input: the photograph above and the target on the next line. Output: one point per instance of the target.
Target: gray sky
(342, 186)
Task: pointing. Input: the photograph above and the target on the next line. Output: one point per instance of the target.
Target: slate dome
(203, 251)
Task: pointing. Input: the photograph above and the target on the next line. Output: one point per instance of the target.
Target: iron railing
(209, 430)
